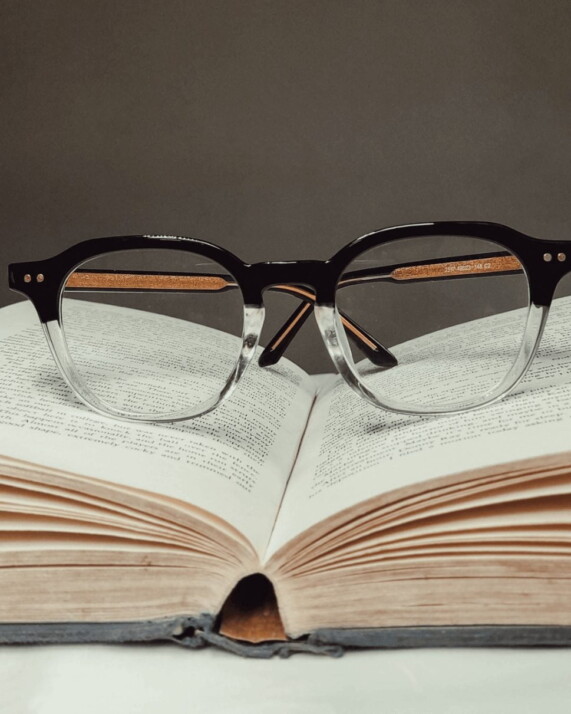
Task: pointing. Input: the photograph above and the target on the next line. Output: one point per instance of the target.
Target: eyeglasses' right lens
(451, 309)
(152, 333)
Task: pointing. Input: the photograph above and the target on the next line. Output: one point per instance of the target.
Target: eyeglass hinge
(39, 278)
(548, 257)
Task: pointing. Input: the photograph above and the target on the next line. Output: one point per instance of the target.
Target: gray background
(280, 129)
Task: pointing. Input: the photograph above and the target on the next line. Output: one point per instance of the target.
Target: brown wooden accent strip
(475, 266)
(296, 291)
(307, 306)
(310, 296)
(133, 281)
(355, 330)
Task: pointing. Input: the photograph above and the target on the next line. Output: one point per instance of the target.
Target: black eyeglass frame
(544, 262)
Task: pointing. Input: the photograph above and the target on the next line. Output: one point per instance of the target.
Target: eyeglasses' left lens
(152, 334)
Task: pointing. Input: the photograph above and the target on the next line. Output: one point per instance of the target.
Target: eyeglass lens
(152, 332)
(452, 310)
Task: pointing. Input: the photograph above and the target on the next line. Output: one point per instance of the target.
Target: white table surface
(85, 679)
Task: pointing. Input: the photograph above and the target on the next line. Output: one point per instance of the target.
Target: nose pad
(379, 356)
(252, 329)
(253, 323)
(342, 337)
(333, 335)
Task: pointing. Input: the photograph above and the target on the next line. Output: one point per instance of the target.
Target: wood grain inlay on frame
(145, 281)
(474, 266)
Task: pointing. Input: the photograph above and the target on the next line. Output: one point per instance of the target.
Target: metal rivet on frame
(547, 257)
(40, 277)
(561, 257)
(27, 278)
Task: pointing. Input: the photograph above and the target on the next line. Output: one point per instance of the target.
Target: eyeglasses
(429, 318)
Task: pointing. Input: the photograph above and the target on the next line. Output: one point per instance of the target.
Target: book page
(233, 462)
(353, 451)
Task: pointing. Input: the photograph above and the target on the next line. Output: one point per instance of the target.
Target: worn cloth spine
(200, 631)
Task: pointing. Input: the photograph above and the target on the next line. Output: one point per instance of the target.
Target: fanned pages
(219, 479)
(358, 518)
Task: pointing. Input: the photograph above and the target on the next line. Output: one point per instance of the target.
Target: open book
(369, 528)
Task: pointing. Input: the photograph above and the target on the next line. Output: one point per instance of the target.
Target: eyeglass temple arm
(279, 343)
